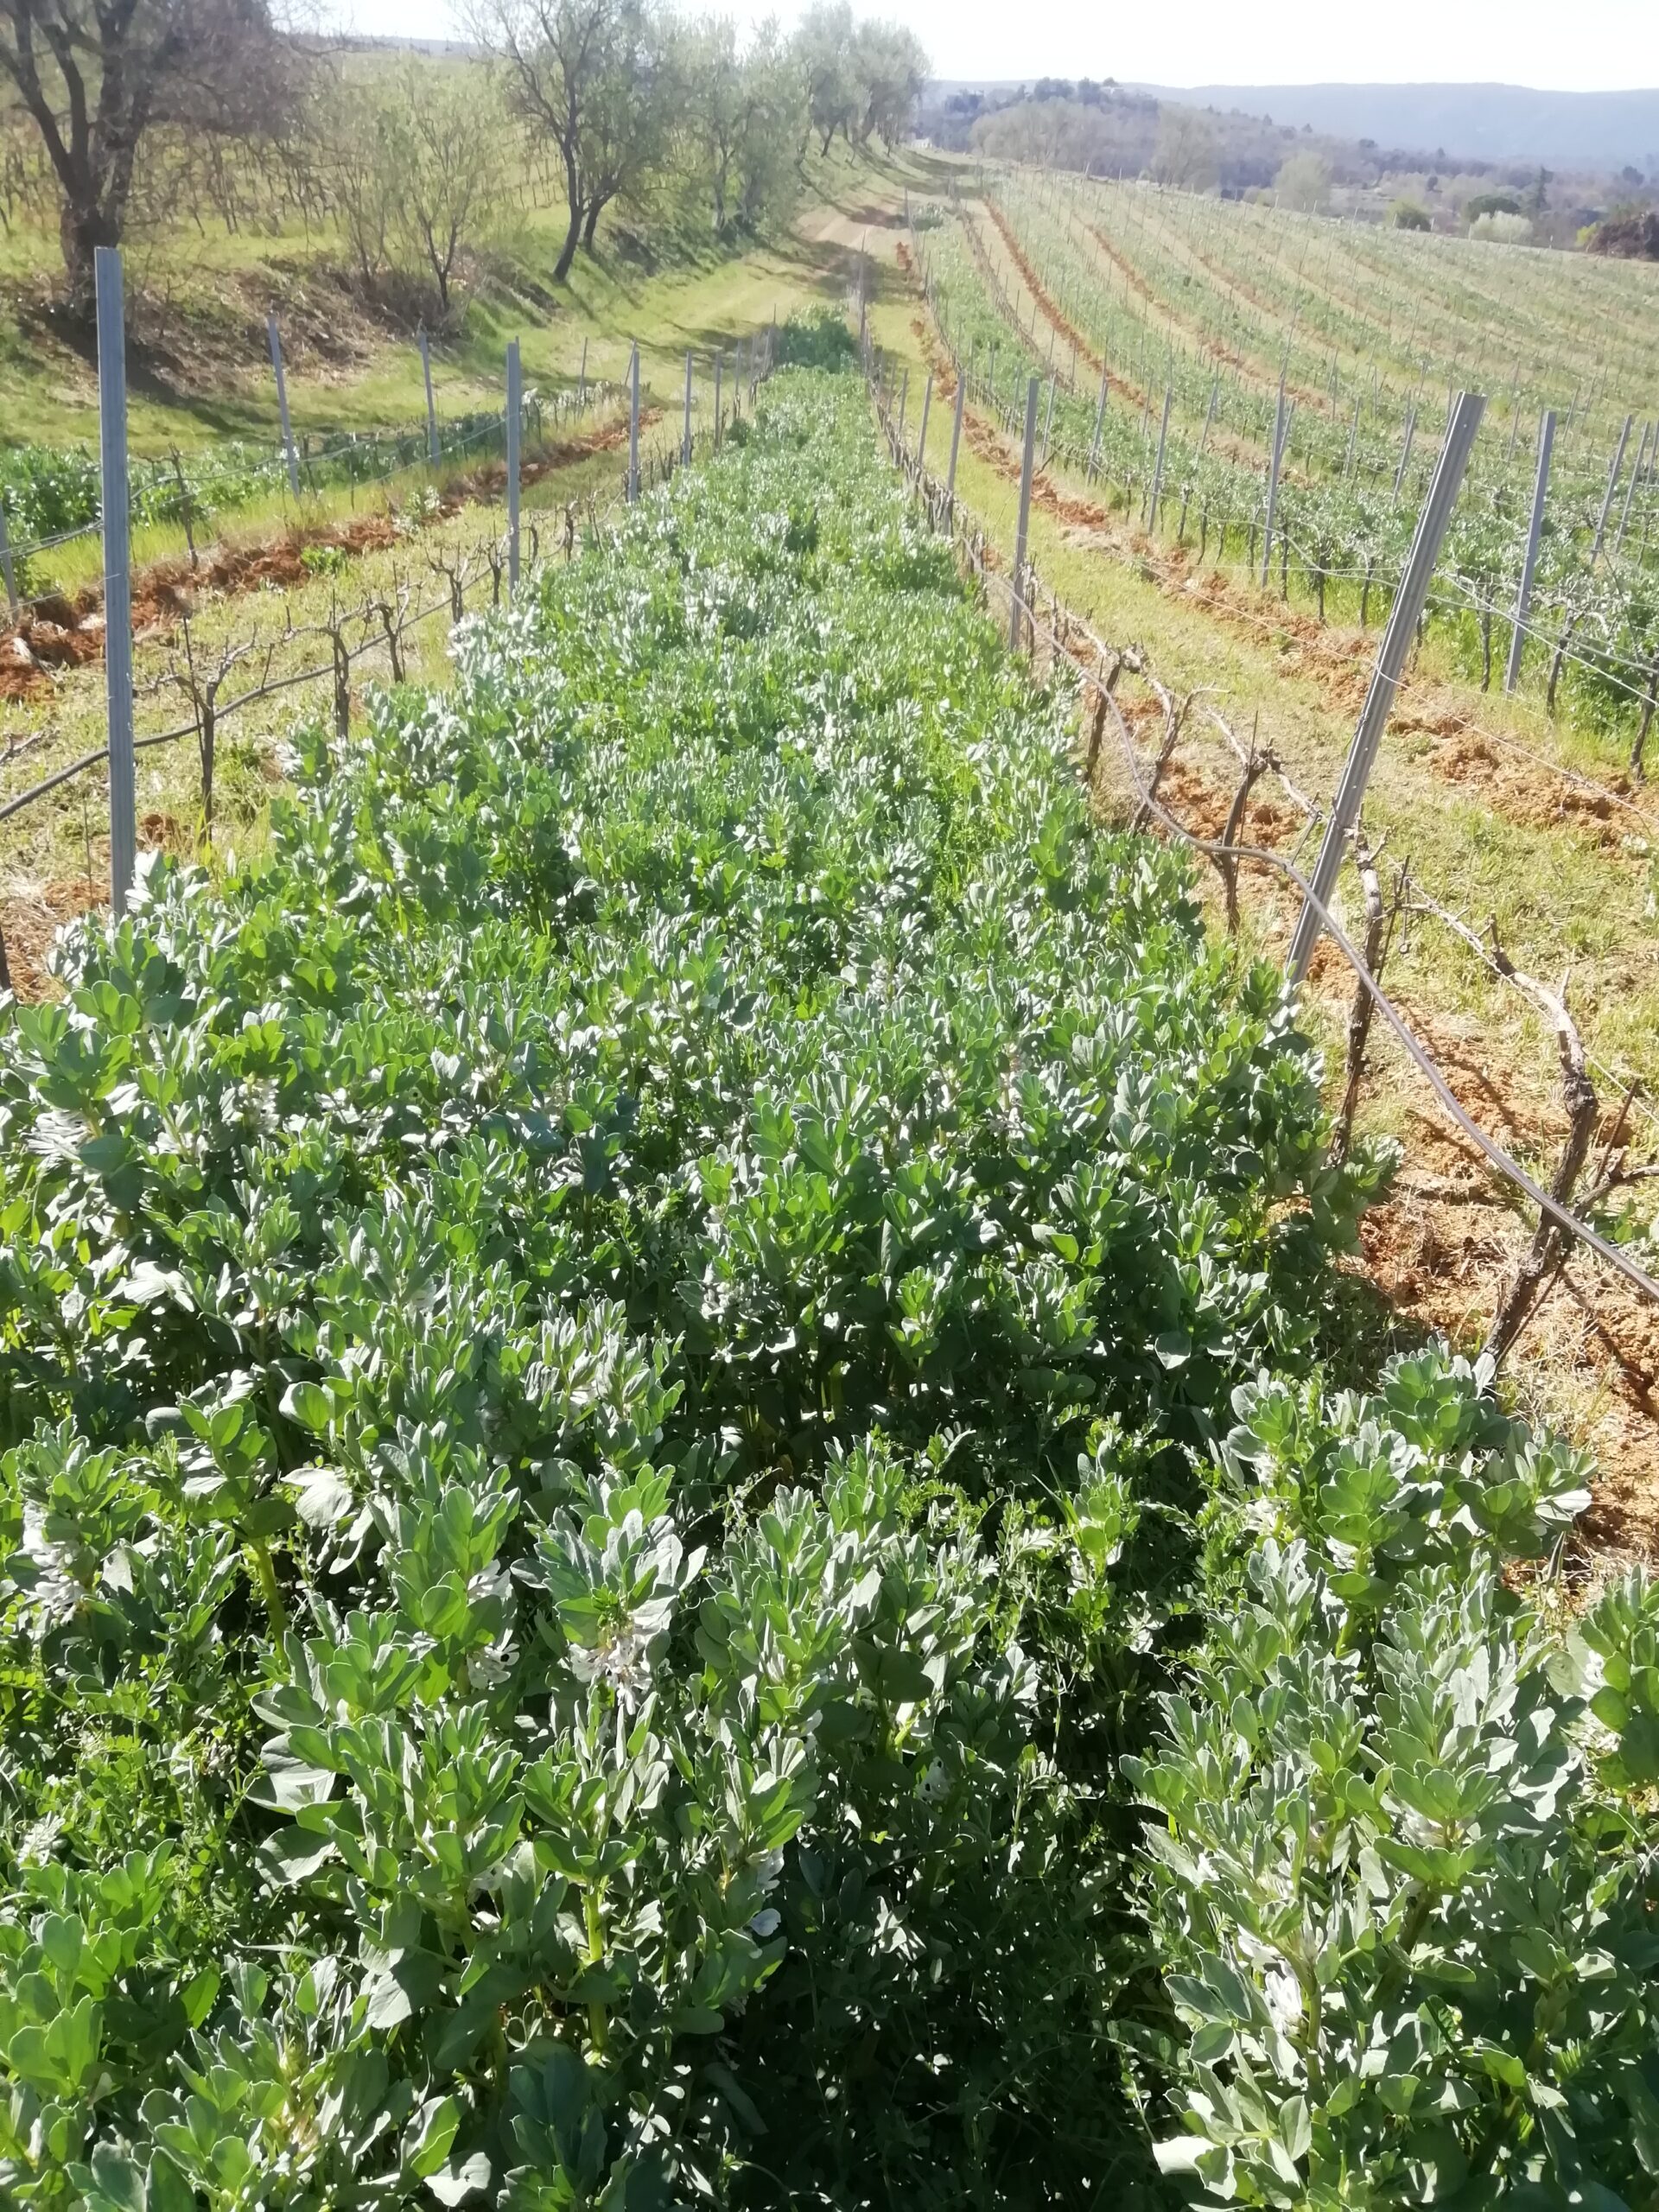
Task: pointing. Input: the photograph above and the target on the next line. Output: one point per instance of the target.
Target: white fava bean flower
(56, 1597)
(1283, 1994)
(624, 1663)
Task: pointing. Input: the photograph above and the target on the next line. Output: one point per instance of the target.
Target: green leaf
(322, 1497)
(1295, 2126)
(429, 2136)
(310, 1405)
(288, 1783)
(456, 2182)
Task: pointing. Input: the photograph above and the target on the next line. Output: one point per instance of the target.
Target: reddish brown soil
(30, 921)
(1443, 1246)
(1049, 307)
(1442, 1250)
(1512, 785)
(61, 633)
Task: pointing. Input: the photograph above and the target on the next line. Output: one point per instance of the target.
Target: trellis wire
(1025, 614)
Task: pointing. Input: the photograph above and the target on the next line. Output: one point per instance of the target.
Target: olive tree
(597, 77)
(862, 79)
(744, 111)
(890, 69)
(824, 54)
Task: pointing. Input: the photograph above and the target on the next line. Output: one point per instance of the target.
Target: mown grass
(677, 289)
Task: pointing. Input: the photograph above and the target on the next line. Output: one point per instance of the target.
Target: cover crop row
(671, 1533)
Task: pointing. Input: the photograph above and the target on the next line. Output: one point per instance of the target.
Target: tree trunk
(572, 240)
(596, 207)
(206, 744)
(82, 230)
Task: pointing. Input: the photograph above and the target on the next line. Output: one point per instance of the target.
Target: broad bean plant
(629, 1365)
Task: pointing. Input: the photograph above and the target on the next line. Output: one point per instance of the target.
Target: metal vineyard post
(1273, 459)
(431, 411)
(1385, 677)
(274, 339)
(1534, 531)
(1630, 492)
(1017, 612)
(117, 575)
(515, 403)
(1612, 485)
(1100, 417)
(634, 424)
(956, 441)
(1158, 470)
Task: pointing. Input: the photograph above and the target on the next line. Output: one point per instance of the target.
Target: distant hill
(1598, 130)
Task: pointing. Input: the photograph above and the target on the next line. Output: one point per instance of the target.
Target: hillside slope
(1601, 130)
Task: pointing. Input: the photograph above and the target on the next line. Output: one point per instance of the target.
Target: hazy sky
(1590, 45)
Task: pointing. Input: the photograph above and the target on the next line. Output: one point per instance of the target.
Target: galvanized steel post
(1017, 613)
(634, 424)
(274, 339)
(1612, 485)
(1405, 450)
(515, 409)
(117, 575)
(1273, 459)
(1100, 417)
(1209, 415)
(1630, 492)
(1157, 471)
(1534, 531)
(956, 441)
(431, 411)
(685, 435)
(1391, 666)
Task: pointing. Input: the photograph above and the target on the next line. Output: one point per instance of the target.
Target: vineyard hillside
(747, 1456)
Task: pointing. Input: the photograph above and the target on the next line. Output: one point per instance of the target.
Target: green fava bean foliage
(670, 1533)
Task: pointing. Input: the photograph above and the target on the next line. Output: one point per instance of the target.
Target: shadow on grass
(1360, 1330)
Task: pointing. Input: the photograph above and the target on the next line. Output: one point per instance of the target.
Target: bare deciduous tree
(415, 163)
(95, 77)
(1185, 155)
